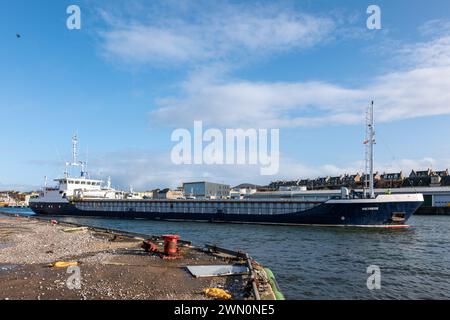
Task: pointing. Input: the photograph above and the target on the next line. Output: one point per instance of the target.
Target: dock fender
(273, 283)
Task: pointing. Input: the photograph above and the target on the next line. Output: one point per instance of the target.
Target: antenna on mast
(74, 149)
(75, 162)
(369, 142)
(86, 163)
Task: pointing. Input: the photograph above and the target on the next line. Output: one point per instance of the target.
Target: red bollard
(170, 244)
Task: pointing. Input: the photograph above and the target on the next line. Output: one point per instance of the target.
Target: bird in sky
(18, 35)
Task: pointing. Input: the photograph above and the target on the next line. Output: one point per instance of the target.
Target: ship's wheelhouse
(70, 184)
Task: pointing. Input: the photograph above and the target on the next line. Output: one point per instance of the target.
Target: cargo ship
(85, 197)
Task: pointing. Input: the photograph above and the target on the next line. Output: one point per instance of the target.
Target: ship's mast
(75, 162)
(74, 150)
(369, 142)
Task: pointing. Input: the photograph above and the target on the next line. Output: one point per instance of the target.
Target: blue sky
(139, 69)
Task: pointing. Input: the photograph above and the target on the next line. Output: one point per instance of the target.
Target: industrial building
(204, 189)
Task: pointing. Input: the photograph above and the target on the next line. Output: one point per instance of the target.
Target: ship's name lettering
(370, 209)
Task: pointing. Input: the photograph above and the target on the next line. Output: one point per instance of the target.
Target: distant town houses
(426, 178)
(13, 198)
(390, 180)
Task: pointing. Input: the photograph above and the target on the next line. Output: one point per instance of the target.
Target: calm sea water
(327, 263)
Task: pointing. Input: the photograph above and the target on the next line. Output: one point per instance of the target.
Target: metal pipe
(253, 278)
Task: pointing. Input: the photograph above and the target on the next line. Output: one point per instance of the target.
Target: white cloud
(434, 53)
(145, 170)
(422, 89)
(435, 27)
(247, 104)
(144, 44)
(213, 33)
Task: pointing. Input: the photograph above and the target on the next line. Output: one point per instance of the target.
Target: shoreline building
(244, 189)
(167, 193)
(207, 190)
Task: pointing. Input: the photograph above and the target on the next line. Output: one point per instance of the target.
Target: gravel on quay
(110, 266)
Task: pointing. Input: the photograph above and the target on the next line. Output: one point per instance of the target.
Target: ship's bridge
(71, 184)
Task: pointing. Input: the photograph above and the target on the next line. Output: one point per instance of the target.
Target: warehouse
(204, 189)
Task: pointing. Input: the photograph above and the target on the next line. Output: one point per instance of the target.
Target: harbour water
(323, 262)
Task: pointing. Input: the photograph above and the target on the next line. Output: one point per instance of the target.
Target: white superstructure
(81, 187)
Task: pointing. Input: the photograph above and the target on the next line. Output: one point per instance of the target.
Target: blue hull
(336, 214)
